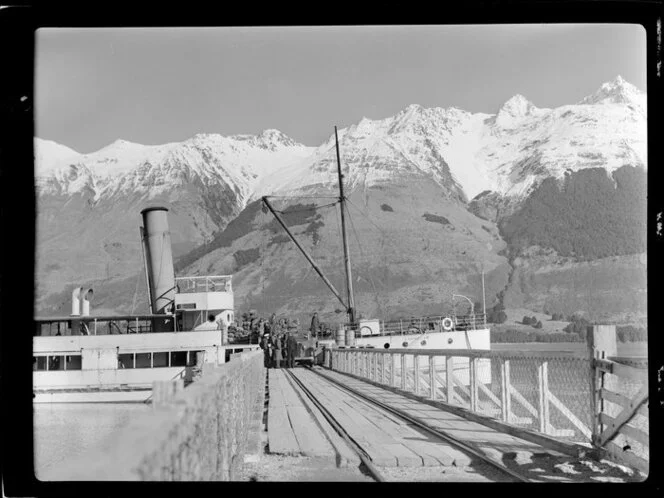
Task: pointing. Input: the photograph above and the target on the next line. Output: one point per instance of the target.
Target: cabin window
(39, 363)
(191, 362)
(178, 358)
(143, 360)
(56, 363)
(159, 360)
(126, 360)
(73, 362)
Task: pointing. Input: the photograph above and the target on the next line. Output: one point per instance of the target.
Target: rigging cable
(301, 196)
(133, 302)
(380, 308)
(382, 242)
(306, 209)
(263, 245)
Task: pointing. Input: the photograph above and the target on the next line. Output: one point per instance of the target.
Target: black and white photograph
(370, 253)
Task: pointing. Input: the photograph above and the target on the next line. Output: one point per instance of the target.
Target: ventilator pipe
(75, 301)
(159, 257)
(86, 297)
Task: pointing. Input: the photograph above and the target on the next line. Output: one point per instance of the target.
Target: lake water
(63, 431)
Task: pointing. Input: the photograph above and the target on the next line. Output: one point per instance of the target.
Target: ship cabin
(191, 334)
(199, 298)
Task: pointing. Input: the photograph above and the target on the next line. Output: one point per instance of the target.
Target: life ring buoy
(448, 324)
(405, 344)
(423, 343)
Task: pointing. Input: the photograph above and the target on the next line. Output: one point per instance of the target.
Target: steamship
(84, 358)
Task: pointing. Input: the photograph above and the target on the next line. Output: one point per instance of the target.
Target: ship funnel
(86, 297)
(159, 258)
(75, 301)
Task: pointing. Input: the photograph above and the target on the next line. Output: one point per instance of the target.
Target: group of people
(277, 348)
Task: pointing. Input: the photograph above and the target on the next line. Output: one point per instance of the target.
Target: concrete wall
(202, 434)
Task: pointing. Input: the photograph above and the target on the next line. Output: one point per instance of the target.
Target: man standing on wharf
(291, 345)
(314, 325)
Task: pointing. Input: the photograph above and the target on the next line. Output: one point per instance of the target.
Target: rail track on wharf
(362, 454)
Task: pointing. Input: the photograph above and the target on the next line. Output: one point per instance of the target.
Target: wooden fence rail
(518, 387)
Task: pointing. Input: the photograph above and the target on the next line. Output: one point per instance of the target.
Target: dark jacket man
(291, 344)
(315, 324)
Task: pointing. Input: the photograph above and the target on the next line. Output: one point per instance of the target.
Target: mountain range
(429, 186)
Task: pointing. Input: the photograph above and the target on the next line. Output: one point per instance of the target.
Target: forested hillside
(587, 215)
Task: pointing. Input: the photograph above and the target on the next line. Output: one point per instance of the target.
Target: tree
(525, 320)
(538, 325)
(500, 317)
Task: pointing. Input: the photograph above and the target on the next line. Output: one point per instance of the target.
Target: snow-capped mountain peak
(514, 111)
(517, 106)
(465, 153)
(617, 91)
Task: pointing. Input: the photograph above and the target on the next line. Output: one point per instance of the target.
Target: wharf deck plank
(280, 435)
(408, 445)
(345, 456)
(311, 440)
(357, 430)
(430, 450)
(482, 437)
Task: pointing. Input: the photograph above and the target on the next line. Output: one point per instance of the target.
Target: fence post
(505, 388)
(473, 383)
(432, 376)
(403, 371)
(393, 358)
(382, 368)
(601, 342)
(543, 398)
(449, 378)
(416, 373)
(375, 367)
(372, 366)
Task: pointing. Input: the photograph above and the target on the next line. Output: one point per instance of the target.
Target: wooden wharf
(372, 405)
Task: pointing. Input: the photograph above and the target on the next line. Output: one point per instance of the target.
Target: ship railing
(211, 283)
(427, 324)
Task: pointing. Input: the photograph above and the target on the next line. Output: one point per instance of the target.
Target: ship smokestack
(159, 259)
(86, 297)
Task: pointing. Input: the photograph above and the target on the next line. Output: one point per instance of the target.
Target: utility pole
(342, 205)
(483, 297)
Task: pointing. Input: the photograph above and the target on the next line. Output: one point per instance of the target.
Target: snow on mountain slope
(125, 168)
(50, 155)
(507, 152)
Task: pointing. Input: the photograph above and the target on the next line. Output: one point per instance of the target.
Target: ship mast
(342, 205)
(350, 307)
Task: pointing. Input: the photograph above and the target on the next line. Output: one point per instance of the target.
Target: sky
(159, 85)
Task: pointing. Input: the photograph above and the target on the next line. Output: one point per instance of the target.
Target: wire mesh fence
(549, 394)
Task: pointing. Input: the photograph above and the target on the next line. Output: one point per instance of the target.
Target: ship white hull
(93, 396)
(470, 340)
